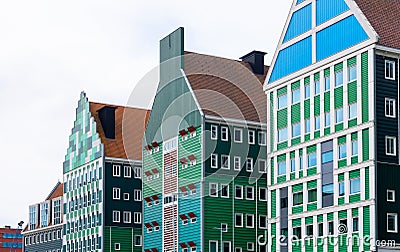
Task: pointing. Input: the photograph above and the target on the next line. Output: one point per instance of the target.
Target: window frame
(262, 138)
(224, 131)
(252, 222)
(388, 192)
(260, 162)
(350, 106)
(241, 219)
(216, 190)
(241, 191)
(393, 66)
(250, 161)
(127, 171)
(394, 139)
(283, 106)
(116, 216)
(240, 130)
(349, 68)
(227, 190)
(253, 134)
(214, 128)
(116, 170)
(394, 107)
(252, 192)
(228, 166)
(116, 193)
(237, 160)
(214, 160)
(396, 224)
(359, 188)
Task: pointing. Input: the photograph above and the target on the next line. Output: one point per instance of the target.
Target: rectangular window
(355, 186)
(262, 138)
(330, 228)
(327, 157)
(224, 133)
(312, 195)
(137, 217)
(390, 146)
(137, 172)
(249, 164)
(225, 164)
(282, 101)
(317, 122)
(341, 189)
(262, 222)
(262, 194)
(317, 87)
(338, 79)
(354, 148)
(307, 125)
(296, 130)
(250, 193)
(116, 170)
(296, 233)
(126, 196)
(352, 73)
(390, 67)
(262, 166)
(392, 223)
(282, 135)
(292, 165)
(309, 230)
(213, 190)
(238, 135)
(306, 91)
(327, 190)
(320, 229)
(117, 246)
(353, 111)
(339, 115)
(127, 171)
(327, 83)
(281, 168)
(214, 160)
(238, 192)
(116, 216)
(390, 108)
(116, 193)
(250, 246)
(127, 217)
(237, 163)
(342, 151)
(137, 195)
(252, 137)
(224, 191)
(355, 224)
(295, 96)
(312, 159)
(297, 198)
(214, 132)
(138, 240)
(327, 119)
(238, 220)
(391, 195)
(249, 220)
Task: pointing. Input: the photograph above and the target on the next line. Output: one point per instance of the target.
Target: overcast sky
(50, 51)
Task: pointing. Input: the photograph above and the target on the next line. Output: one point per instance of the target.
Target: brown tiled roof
(130, 124)
(384, 16)
(226, 88)
(56, 192)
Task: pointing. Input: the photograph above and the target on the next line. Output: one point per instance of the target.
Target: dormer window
(192, 131)
(192, 160)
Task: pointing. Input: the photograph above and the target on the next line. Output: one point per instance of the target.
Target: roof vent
(256, 60)
(107, 119)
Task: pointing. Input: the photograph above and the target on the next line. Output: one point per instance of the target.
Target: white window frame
(227, 185)
(137, 195)
(229, 161)
(209, 245)
(250, 168)
(141, 240)
(116, 216)
(259, 221)
(356, 106)
(252, 192)
(260, 165)
(116, 193)
(237, 163)
(117, 246)
(137, 218)
(262, 135)
(259, 194)
(127, 172)
(137, 172)
(214, 160)
(241, 189)
(126, 196)
(253, 134)
(393, 101)
(241, 135)
(252, 224)
(211, 185)
(224, 131)
(394, 153)
(127, 217)
(393, 192)
(116, 170)
(250, 246)
(393, 66)
(214, 128)
(241, 218)
(396, 223)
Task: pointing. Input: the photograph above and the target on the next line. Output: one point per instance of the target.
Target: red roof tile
(57, 191)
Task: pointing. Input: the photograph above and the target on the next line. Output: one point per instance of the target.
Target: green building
(204, 164)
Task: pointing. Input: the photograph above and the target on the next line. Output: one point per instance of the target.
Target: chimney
(107, 119)
(256, 61)
(7, 227)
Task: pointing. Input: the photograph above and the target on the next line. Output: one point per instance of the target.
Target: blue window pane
(352, 73)
(354, 148)
(282, 101)
(282, 168)
(327, 83)
(355, 186)
(339, 115)
(342, 151)
(338, 79)
(352, 110)
(327, 119)
(317, 123)
(312, 159)
(341, 189)
(296, 130)
(327, 190)
(307, 125)
(301, 163)
(317, 87)
(327, 157)
(292, 165)
(282, 135)
(296, 96)
(307, 91)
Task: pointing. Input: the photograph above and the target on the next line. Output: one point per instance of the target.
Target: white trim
(218, 119)
(191, 91)
(394, 195)
(394, 107)
(392, 138)
(393, 65)
(396, 224)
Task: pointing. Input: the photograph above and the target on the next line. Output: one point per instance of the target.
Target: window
(214, 160)
(292, 165)
(390, 146)
(249, 193)
(327, 119)
(327, 83)
(117, 246)
(281, 168)
(312, 195)
(238, 220)
(262, 138)
(390, 70)
(238, 135)
(296, 130)
(317, 87)
(224, 133)
(339, 115)
(390, 107)
(127, 217)
(214, 132)
(317, 122)
(309, 230)
(249, 220)
(354, 148)
(213, 190)
(116, 170)
(330, 228)
(327, 157)
(126, 196)
(252, 137)
(320, 229)
(352, 73)
(137, 217)
(282, 101)
(343, 223)
(262, 221)
(301, 162)
(224, 227)
(238, 249)
(236, 163)
(262, 194)
(127, 172)
(238, 192)
(307, 126)
(353, 111)
(296, 233)
(355, 186)
(327, 190)
(250, 246)
(306, 91)
(137, 195)
(355, 224)
(341, 189)
(138, 240)
(116, 216)
(225, 162)
(312, 159)
(391, 195)
(392, 223)
(297, 198)
(282, 135)
(296, 96)
(262, 165)
(116, 193)
(137, 172)
(338, 78)
(249, 164)
(342, 151)
(224, 191)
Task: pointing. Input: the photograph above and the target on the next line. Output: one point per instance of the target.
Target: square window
(238, 135)
(214, 160)
(224, 227)
(262, 194)
(213, 190)
(317, 122)
(295, 96)
(392, 223)
(250, 193)
(353, 111)
(390, 146)
(281, 168)
(249, 164)
(306, 91)
(250, 246)
(262, 138)
(327, 83)
(339, 115)
(342, 151)
(355, 186)
(339, 79)
(390, 67)
(252, 137)
(282, 135)
(282, 101)
(214, 132)
(238, 192)
(297, 198)
(317, 87)
(391, 195)
(225, 164)
(238, 220)
(262, 165)
(237, 163)
(390, 108)
(126, 196)
(296, 130)
(312, 195)
(224, 133)
(327, 119)
(352, 73)
(250, 220)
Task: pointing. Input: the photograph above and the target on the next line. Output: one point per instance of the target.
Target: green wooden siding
(338, 97)
(364, 87)
(295, 114)
(365, 145)
(327, 101)
(317, 105)
(352, 92)
(191, 146)
(282, 118)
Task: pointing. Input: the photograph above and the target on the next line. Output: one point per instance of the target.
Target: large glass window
(282, 135)
(342, 151)
(312, 159)
(296, 130)
(339, 115)
(297, 198)
(355, 186)
(282, 101)
(327, 157)
(327, 190)
(312, 195)
(296, 96)
(338, 78)
(281, 168)
(352, 110)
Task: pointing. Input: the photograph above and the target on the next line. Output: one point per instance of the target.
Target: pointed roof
(384, 16)
(56, 192)
(226, 88)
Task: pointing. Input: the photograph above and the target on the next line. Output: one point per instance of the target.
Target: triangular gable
(84, 142)
(311, 36)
